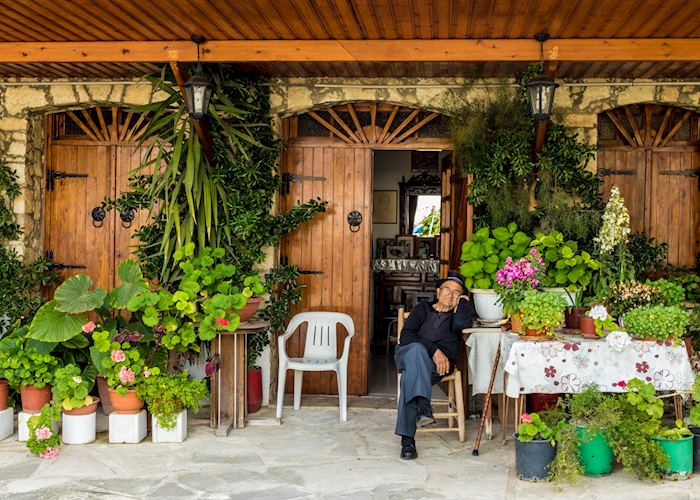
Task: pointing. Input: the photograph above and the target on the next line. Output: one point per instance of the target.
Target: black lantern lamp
(197, 88)
(540, 90)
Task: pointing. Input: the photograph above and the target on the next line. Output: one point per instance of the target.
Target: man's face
(448, 294)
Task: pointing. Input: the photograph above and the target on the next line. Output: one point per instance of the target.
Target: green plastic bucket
(594, 452)
(680, 452)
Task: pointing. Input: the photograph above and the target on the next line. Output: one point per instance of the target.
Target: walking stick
(487, 401)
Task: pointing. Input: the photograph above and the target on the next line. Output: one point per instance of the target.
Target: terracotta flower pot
(4, 394)
(103, 391)
(250, 308)
(34, 399)
(127, 404)
(572, 317)
(531, 332)
(84, 410)
(516, 322)
(588, 327)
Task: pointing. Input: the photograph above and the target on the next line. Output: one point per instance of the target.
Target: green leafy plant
(534, 427)
(678, 431)
(694, 416)
(691, 284)
(671, 293)
(487, 252)
(566, 266)
(602, 319)
(648, 254)
(622, 297)
(43, 439)
(657, 322)
(71, 387)
(542, 311)
(24, 365)
(167, 395)
(123, 366)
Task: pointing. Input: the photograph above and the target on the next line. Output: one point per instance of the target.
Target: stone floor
(311, 455)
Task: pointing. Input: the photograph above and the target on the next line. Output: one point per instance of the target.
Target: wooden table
(228, 384)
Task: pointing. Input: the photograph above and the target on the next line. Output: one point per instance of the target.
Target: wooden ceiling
(159, 20)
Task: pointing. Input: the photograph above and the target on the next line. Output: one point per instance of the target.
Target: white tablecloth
(567, 365)
(482, 344)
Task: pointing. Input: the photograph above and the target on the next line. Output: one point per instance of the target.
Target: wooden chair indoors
(454, 414)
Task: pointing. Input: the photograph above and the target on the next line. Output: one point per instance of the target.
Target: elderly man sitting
(428, 351)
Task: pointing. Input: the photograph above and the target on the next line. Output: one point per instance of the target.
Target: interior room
(405, 250)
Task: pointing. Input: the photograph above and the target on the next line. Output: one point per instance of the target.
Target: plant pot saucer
(536, 337)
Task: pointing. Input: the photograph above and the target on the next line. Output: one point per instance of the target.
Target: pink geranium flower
(525, 417)
(118, 356)
(89, 327)
(42, 433)
(49, 453)
(222, 321)
(126, 375)
(147, 373)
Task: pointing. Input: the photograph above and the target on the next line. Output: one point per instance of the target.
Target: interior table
(228, 384)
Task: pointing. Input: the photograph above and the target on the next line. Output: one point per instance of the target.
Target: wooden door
(455, 216)
(626, 169)
(334, 260)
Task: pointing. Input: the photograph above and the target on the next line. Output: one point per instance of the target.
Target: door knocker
(127, 217)
(98, 216)
(354, 219)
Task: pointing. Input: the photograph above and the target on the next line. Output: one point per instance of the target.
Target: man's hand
(442, 364)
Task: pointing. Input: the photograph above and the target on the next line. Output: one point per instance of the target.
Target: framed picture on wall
(385, 210)
(425, 248)
(407, 241)
(395, 252)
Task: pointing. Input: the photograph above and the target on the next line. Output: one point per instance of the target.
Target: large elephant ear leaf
(132, 284)
(52, 325)
(74, 295)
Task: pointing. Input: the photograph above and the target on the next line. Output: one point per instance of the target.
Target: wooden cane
(487, 401)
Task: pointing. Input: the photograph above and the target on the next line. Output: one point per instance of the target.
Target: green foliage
(672, 294)
(533, 427)
(487, 251)
(51, 325)
(123, 367)
(566, 266)
(167, 395)
(566, 465)
(430, 225)
(691, 284)
(23, 365)
(679, 431)
(44, 423)
(542, 311)
(9, 191)
(71, 387)
(657, 322)
(623, 297)
(559, 210)
(648, 254)
(695, 410)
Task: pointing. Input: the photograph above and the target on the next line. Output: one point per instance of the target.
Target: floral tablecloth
(567, 365)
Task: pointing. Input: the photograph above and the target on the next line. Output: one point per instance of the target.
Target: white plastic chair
(320, 354)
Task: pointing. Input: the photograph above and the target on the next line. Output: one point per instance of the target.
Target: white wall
(389, 168)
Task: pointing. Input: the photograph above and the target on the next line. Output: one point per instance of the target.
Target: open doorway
(405, 250)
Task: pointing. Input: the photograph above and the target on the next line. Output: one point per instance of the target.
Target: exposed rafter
(121, 126)
(584, 49)
(635, 124)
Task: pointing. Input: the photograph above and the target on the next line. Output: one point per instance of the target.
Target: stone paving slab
(310, 456)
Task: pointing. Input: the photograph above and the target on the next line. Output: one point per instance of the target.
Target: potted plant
(71, 392)
(670, 293)
(535, 447)
(4, 383)
(254, 395)
(253, 289)
(43, 438)
(124, 370)
(516, 278)
(596, 322)
(622, 297)
(657, 323)
(32, 373)
(677, 444)
(168, 398)
(569, 271)
(694, 420)
(542, 312)
(482, 256)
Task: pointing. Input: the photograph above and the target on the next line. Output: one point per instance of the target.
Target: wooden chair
(455, 414)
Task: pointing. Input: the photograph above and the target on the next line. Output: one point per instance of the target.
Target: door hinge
(52, 175)
(310, 272)
(287, 179)
(59, 266)
(610, 171)
(691, 172)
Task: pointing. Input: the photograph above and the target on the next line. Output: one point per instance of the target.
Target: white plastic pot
(78, 429)
(485, 303)
(175, 435)
(569, 297)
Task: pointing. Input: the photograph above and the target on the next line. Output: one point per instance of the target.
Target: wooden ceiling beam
(663, 49)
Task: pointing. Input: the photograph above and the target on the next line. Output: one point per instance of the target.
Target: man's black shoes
(425, 417)
(408, 448)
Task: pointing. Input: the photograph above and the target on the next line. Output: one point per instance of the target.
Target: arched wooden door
(90, 156)
(329, 155)
(652, 153)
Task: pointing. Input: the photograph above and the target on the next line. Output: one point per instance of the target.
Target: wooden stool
(454, 413)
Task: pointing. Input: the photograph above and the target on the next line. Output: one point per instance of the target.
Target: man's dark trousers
(418, 374)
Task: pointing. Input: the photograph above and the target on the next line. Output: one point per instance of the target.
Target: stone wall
(22, 138)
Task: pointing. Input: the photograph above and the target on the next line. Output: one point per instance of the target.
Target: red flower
(525, 417)
(550, 372)
(643, 367)
(221, 321)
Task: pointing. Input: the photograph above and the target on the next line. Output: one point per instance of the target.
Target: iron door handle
(354, 220)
